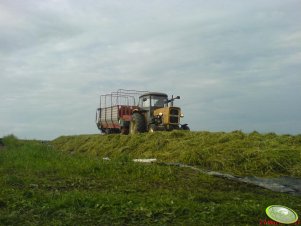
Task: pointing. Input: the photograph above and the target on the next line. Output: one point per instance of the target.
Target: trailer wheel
(137, 124)
(108, 131)
(124, 130)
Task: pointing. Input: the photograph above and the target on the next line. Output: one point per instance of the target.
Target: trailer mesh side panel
(115, 106)
(109, 116)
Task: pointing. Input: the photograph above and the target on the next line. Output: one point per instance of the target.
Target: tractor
(131, 111)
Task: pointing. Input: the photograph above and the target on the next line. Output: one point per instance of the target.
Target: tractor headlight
(160, 114)
(181, 115)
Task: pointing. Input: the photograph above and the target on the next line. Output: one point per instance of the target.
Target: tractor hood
(169, 115)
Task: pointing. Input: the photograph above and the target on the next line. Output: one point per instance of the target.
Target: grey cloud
(235, 64)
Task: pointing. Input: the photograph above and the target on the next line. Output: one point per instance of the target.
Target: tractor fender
(136, 110)
(185, 126)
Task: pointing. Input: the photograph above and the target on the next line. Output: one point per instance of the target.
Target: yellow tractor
(156, 112)
(129, 111)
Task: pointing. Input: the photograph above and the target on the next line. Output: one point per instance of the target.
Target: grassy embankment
(43, 186)
(235, 152)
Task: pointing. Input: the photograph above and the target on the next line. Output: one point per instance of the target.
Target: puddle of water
(290, 185)
(281, 184)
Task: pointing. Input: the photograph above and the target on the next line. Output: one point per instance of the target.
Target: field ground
(66, 182)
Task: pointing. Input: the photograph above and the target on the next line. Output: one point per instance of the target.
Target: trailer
(115, 111)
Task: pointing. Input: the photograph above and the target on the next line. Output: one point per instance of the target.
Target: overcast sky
(236, 64)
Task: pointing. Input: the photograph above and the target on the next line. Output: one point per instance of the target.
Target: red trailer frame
(115, 107)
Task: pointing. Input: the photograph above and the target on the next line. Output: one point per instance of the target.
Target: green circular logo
(282, 214)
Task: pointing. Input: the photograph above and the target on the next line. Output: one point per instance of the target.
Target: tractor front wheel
(152, 128)
(185, 127)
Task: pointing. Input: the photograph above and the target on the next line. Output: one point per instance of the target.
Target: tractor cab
(149, 102)
(159, 112)
(152, 100)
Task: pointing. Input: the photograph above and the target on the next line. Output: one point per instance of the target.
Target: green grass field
(66, 182)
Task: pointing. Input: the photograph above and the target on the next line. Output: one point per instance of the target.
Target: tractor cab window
(158, 101)
(145, 101)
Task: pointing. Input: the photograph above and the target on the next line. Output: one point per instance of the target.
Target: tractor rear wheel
(138, 124)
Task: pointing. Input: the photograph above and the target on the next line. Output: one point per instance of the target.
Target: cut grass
(236, 152)
(42, 186)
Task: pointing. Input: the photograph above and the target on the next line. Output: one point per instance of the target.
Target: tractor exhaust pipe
(172, 100)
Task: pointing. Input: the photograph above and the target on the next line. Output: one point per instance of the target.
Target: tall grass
(235, 152)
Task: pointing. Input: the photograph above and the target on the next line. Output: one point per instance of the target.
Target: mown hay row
(234, 152)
